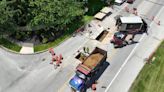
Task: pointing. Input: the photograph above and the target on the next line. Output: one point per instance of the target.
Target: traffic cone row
(55, 57)
(136, 13)
(158, 22)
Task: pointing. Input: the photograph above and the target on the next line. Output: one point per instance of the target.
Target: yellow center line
(65, 83)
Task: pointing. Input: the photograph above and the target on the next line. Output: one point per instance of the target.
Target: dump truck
(87, 69)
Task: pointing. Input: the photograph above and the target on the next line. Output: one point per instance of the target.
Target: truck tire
(111, 41)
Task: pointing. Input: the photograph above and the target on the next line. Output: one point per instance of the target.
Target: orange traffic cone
(136, 13)
(159, 23)
(51, 50)
(61, 57)
(94, 86)
(59, 60)
(57, 63)
(152, 18)
(51, 62)
(126, 9)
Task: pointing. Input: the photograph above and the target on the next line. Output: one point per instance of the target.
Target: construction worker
(132, 39)
(87, 50)
(84, 49)
(145, 26)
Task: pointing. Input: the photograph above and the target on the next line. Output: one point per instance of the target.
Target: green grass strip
(151, 77)
(12, 46)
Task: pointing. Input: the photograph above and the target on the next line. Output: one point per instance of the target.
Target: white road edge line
(124, 63)
(131, 54)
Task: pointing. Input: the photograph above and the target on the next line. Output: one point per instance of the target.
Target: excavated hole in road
(102, 35)
(81, 56)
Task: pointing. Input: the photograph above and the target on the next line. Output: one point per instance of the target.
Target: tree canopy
(39, 13)
(54, 12)
(6, 15)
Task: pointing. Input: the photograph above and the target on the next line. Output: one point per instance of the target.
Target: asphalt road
(150, 9)
(33, 73)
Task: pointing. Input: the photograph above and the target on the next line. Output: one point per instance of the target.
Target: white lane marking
(124, 63)
(131, 54)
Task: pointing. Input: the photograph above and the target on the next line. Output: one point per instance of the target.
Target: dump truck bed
(93, 60)
(96, 58)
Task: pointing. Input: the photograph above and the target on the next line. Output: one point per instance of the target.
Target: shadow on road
(98, 74)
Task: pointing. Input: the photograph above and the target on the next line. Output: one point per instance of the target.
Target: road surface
(33, 73)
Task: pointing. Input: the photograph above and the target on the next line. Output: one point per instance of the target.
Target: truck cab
(78, 82)
(87, 69)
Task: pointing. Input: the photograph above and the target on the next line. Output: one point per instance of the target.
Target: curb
(35, 53)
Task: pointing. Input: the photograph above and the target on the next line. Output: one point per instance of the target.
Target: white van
(119, 2)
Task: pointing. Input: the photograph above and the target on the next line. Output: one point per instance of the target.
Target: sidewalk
(27, 48)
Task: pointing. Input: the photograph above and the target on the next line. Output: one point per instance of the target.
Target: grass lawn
(9, 45)
(87, 18)
(151, 77)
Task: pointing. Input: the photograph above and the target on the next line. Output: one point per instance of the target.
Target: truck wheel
(83, 90)
(111, 41)
(116, 47)
(125, 43)
(88, 78)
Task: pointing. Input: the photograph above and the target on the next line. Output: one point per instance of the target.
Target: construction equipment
(87, 69)
(127, 28)
(119, 39)
(132, 24)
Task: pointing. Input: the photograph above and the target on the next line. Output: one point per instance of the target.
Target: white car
(119, 2)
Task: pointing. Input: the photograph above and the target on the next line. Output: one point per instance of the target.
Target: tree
(6, 14)
(54, 13)
(32, 15)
